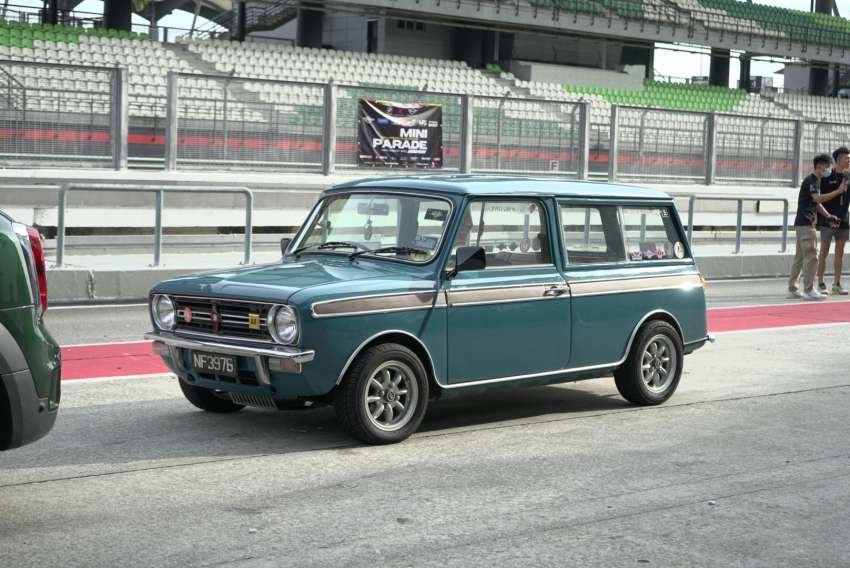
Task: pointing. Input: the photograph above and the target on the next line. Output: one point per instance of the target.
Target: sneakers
(822, 289)
(813, 296)
(837, 289)
(794, 294)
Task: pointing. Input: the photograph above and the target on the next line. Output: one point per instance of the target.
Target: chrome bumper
(295, 355)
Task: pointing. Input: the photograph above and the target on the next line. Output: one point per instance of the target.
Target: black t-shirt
(837, 205)
(807, 209)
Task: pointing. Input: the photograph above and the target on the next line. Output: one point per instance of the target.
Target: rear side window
(651, 234)
(592, 234)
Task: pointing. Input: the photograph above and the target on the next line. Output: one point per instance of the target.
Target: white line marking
(782, 328)
(93, 306)
(107, 343)
(66, 382)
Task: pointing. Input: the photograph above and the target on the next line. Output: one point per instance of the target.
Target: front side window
(512, 233)
(652, 234)
(402, 227)
(592, 234)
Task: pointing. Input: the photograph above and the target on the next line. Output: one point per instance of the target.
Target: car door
(511, 319)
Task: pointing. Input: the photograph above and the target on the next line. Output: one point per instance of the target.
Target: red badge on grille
(187, 315)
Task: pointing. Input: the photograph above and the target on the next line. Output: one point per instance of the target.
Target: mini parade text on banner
(402, 135)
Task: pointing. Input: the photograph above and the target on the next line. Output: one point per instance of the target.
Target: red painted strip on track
(781, 315)
(126, 359)
(110, 360)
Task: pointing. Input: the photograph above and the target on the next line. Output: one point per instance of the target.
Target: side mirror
(469, 258)
(284, 244)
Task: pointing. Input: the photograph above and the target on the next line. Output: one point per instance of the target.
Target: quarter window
(592, 234)
(651, 234)
(513, 233)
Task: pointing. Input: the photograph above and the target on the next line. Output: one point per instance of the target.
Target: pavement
(747, 465)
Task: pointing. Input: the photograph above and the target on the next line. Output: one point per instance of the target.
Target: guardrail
(159, 191)
(740, 216)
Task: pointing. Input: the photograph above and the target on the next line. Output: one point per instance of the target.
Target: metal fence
(660, 144)
(70, 115)
(245, 123)
(525, 136)
(61, 115)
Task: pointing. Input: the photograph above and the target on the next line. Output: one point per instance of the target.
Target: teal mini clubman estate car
(397, 291)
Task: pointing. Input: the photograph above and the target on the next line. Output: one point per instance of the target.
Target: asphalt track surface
(747, 465)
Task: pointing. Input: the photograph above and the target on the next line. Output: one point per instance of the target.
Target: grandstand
(262, 104)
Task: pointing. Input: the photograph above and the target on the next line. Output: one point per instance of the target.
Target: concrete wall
(433, 41)
(567, 50)
(345, 31)
(287, 32)
(630, 78)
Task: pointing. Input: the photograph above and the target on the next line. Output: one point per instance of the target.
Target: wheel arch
(406, 339)
(654, 315)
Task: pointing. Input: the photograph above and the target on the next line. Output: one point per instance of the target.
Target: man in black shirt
(808, 205)
(828, 229)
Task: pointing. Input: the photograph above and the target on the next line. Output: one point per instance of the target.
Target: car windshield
(402, 227)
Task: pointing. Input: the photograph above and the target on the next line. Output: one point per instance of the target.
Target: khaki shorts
(827, 234)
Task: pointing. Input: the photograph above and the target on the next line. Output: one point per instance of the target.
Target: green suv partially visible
(30, 365)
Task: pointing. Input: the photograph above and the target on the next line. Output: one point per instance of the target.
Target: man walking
(828, 229)
(808, 205)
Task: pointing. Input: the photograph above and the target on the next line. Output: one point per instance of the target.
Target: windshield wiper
(326, 246)
(397, 250)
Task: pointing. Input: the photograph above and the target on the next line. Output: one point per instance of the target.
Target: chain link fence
(661, 144)
(55, 115)
(751, 149)
(822, 138)
(236, 123)
(525, 136)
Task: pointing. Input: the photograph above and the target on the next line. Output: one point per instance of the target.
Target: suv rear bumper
(29, 417)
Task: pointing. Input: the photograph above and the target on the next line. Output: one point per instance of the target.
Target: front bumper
(281, 357)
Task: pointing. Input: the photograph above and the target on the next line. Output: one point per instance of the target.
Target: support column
(744, 76)
(465, 134)
(120, 112)
(116, 14)
(819, 79)
(719, 71)
(310, 28)
(238, 32)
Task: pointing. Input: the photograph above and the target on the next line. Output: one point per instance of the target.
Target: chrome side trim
(611, 365)
(582, 288)
(360, 347)
(377, 303)
(297, 355)
(458, 297)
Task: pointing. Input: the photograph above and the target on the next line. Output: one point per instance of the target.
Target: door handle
(556, 290)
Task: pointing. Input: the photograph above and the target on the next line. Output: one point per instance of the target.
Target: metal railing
(739, 222)
(159, 191)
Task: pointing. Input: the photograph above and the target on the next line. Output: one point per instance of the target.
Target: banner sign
(399, 135)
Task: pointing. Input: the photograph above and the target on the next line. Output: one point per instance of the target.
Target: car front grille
(224, 318)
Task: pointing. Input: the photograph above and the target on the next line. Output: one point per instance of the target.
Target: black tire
(353, 409)
(206, 399)
(629, 378)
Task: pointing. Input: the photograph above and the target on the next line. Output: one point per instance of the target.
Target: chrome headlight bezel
(159, 318)
(288, 335)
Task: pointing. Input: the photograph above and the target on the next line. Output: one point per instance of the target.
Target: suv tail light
(40, 268)
(30, 240)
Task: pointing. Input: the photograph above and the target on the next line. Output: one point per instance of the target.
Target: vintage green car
(396, 291)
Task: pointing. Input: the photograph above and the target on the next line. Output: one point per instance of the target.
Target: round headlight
(283, 325)
(164, 314)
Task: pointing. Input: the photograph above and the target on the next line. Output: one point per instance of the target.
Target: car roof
(502, 185)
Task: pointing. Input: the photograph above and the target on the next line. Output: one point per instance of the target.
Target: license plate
(215, 364)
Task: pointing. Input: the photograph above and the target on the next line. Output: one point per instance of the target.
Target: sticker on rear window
(436, 215)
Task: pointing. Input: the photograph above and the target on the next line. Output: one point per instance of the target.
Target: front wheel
(653, 368)
(206, 399)
(384, 395)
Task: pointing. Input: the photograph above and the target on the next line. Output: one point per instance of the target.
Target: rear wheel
(384, 395)
(207, 399)
(653, 368)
